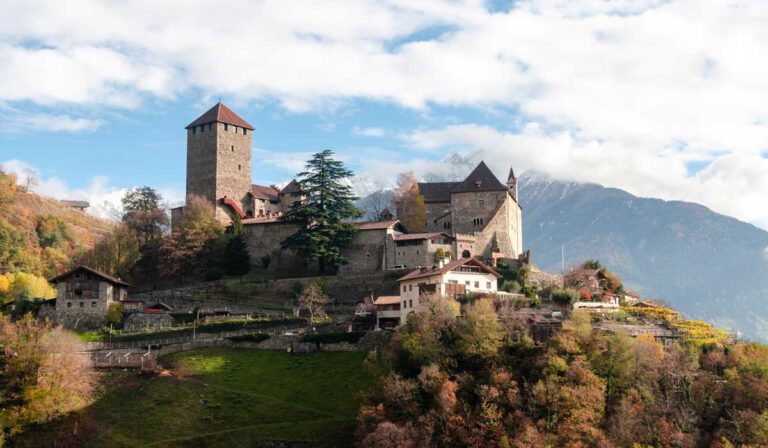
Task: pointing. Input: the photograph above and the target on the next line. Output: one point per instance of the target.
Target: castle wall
(422, 254)
(265, 240)
(434, 210)
(501, 221)
(367, 252)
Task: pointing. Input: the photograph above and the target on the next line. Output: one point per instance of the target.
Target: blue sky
(664, 99)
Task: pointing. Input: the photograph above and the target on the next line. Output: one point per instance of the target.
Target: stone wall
(264, 239)
(82, 313)
(367, 252)
(501, 221)
(219, 165)
(137, 321)
(422, 254)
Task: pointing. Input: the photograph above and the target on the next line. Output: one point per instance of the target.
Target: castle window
(410, 303)
(232, 148)
(82, 304)
(403, 289)
(410, 287)
(210, 126)
(202, 129)
(93, 304)
(239, 167)
(245, 131)
(481, 202)
(194, 129)
(226, 126)
(69, 304)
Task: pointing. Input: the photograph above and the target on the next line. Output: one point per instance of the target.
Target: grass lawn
(223, 398)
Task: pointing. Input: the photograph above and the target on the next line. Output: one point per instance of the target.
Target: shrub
(529, 291)
(333, 338)
(258, 337)
(593, 264)
(565, 296)
(214, 274)
(511, 286)
(115, 314)
(265, 261)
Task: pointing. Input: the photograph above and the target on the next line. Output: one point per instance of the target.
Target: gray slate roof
(480, 179)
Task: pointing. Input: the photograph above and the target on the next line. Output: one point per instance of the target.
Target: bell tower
(219, 151)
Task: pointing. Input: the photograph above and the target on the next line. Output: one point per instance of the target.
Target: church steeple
(512, 183)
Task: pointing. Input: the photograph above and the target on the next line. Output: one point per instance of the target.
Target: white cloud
(370, 132)
(103, 197)
(625, 93)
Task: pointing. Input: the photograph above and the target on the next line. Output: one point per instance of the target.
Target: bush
(565, 296)
(258, 337)
(214, 274)
(333, 338)
(529, 292)
(593, 264)
(511, 286)
(265, 261)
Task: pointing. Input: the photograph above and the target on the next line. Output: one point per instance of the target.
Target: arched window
(465, 254)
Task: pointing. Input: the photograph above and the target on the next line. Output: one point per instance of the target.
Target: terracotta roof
(271, 219)
(420, 273)
(480, 179)
(220, 114)
(264, 192)
(437, 191)
(387, 300)
(93, 271)
(376, 225)
(292, 187)
(419, 236)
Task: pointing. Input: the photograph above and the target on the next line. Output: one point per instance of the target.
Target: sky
(664, 99)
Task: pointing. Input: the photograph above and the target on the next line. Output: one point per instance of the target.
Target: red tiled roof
(220, 114)
(419, 273)
(93, 271)
(419, 236)
(264, 192)
(387, 300)
(376, 225)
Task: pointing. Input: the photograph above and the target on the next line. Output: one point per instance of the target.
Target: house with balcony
(387, 311)
(453, 279)
(83, 296)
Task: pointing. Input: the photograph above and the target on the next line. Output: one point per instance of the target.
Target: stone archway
(466, 254)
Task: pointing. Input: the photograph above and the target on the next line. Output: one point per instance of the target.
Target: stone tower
(219, 146)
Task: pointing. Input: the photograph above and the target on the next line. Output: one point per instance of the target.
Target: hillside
(708, 265)
(40, 235)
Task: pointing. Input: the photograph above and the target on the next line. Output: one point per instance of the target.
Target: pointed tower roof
(220, 114)
(480, 179)
(511, 173)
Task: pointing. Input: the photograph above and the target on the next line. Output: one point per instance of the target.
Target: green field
(223, 398)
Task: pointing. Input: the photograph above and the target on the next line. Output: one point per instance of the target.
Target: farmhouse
(83, 296)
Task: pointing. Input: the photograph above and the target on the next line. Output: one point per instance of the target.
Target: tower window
(245, 131)
(233, 148)
(239, 167)
(202, 129)
(226, 126)
(194, 129)
(481, 202)
(210, 126)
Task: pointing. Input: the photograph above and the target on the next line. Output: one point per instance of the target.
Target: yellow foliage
(5, 284)
(30, 286)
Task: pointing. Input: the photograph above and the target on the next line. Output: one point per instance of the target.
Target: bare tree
(374, 204)
(313, 300)
(30, 179)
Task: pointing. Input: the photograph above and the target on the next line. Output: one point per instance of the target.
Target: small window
(202, 129)
(481, 202)
(410, 287)
(404, 288)
(93, 304)
(82, 304)
(405, 304)
(410, 303)
(226, 126)
(245, 131)
(69, 304)
(232, 148)
(239, 167)
(210, 126)
(194, 129)
(467, 283)
(477, 284)
(488, 285)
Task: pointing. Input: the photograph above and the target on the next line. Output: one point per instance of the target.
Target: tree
(7, 187)
(237, 259)
(480, 333)
(411, 210)
(115, 313)
(30, 179)
(45, 373)
(144, 213)
(116, 254)
(313, 301)
(190, 250)
(322, 217)
(375, 203)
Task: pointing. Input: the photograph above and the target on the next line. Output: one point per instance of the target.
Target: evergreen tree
(327, 202)
(237, 258)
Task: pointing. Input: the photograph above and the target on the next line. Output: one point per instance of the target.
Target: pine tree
(237, 258)
(327, 203)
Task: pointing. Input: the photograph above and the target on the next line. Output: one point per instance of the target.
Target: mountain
(710, 266)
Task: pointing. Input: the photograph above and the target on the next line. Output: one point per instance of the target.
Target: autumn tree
(313, 301)
(45, 373)
(7, 187)
(144, 213)
(411, 210)
(186, 252)
(116, 254)
(323, 215)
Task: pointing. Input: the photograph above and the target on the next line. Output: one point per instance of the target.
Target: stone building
(219, 169)
(83, 297)
(481, 213)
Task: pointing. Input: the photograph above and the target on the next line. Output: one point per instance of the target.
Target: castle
(477, 217)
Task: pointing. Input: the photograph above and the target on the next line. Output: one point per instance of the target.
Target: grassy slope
(224, 397)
